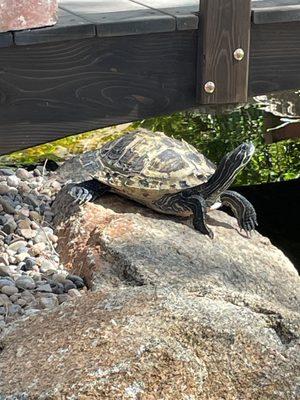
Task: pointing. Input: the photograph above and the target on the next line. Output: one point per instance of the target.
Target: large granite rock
(27, 14)
(174, 314)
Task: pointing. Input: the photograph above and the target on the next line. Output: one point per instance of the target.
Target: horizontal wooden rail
(97, 68)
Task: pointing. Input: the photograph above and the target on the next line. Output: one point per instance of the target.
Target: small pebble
(13, 181)
(69, 285)
(31, 274)
(44, 288)
(25, 282)
(9, 290)
(4, 299)
(6, 282)
(74, 293)
(9, 227)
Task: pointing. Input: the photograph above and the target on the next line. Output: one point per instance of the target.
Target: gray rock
(9, 227)
(22, 249)
(7, 205)
(35, 216)
(14, 246)
(3, 220)
(23, 174)
(44, 287)
(23, 188)
(15, 297)
(14, 309)
(6, 270)
(48, 215)
(27, 296)
(57, 288)
(4, 258)
(62, 298)
(48, 302)
(77, 280)
(37, 172)
(4, 300)
(47, 265)
(29, 264)
(31, 200)
(6, 282)
(13, 181)
(21, 257)
(31, 311)
(25, 283)
(6, 171)
(21, 302)
(4, 188)
(9, 290)
(69, 285)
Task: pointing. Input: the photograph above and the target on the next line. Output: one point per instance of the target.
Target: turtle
(165, 174)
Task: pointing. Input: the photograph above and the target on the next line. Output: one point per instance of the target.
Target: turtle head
(238, 158)
(227, 170)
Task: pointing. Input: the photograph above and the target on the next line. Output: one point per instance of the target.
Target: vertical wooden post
(223, 51)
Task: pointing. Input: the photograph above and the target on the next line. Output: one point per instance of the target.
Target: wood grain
(224, 26)
(6, 39)
(270, 11)
(54, 90)
(274, 58)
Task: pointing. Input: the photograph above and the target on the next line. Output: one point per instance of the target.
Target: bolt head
(209, 87)
(239, 54)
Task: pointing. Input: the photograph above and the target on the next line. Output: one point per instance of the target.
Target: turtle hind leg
(87, 191)
(242, 209)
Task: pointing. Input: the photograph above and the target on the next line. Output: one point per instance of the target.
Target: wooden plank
(54, 90)
(224, 28)
(274, 58)
(68, 27)
(120, 18)
(6, 39)
(184, 11)
(270, 11)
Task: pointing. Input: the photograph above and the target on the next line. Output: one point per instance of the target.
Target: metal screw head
(209, 87)
(239, 54)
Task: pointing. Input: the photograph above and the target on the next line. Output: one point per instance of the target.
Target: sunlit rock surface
(174, 314)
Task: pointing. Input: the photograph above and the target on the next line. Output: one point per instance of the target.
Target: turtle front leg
(87, 191)
(183, 202)
(242, 209)
(197, 205)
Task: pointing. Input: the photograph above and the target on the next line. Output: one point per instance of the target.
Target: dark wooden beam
(58, 88)
(223, 52)
(271, 11)
(53, 90)
(274, 58)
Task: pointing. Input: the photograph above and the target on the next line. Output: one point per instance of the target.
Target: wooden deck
(113, 61)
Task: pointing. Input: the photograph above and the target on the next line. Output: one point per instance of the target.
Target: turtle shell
(142, 164)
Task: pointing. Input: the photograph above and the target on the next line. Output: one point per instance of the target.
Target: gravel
(32, 278)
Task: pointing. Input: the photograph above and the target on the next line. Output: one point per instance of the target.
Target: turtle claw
(81, 195)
